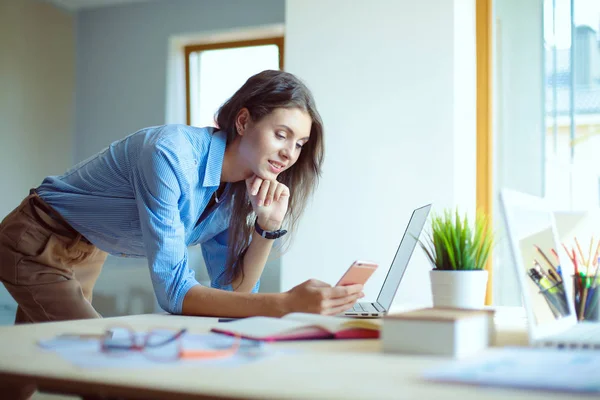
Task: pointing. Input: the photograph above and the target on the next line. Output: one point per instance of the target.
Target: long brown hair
(261, 94)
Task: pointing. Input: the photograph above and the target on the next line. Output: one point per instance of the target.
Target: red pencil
(555, 254)
(568, 253)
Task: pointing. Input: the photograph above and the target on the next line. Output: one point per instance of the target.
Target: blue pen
(590, 295)
(559, 271)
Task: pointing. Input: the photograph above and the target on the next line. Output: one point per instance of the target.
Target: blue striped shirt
(142, 197)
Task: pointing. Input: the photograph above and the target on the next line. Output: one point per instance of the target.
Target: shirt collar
(214, 162)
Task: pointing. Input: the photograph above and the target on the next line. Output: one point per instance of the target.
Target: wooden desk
(352, 369)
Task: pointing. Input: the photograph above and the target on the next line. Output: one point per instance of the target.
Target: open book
(298, 326)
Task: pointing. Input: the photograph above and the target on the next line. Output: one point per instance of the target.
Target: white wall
(36, 99)
(518, 117)
(395, 83)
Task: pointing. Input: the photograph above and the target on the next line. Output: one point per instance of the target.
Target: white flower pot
(458, 289)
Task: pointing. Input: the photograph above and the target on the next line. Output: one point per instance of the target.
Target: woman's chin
(266, 175)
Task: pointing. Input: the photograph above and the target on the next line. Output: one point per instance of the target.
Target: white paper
(533, 368)
(86, 353)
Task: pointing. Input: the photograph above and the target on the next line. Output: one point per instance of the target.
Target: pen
(227, 319)
(552, 293)
(588, 302)
(543, 282)
(586, 285)
(553, 276)
(595, 281)
(539, 268)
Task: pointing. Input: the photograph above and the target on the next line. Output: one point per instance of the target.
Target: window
(546, 112)
(572, 103)
(215, 71)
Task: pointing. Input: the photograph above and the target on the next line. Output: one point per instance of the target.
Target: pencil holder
(556, 300)
(585, 299)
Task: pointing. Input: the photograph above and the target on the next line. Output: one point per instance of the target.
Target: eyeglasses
(164, 344)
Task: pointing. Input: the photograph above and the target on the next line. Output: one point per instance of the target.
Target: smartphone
(358, 272)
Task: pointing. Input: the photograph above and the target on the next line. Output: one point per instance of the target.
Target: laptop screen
(541, 278)
(402, 257)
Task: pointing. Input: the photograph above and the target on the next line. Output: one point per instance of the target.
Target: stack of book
(451, 332)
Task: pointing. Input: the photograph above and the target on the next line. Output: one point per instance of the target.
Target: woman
(158, 191)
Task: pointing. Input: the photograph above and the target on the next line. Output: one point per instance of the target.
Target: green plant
(453, 245)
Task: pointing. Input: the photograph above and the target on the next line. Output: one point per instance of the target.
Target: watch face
(275, 234)
(278, 234)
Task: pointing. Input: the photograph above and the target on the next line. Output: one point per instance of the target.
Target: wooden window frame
(484, 189)
(277, 40)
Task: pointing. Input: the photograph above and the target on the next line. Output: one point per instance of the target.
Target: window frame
(197, 48)
(485, 167)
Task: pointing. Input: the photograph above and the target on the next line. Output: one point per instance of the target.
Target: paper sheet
(86, 353)
(544, 369)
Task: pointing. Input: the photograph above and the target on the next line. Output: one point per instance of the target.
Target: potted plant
(458, 254)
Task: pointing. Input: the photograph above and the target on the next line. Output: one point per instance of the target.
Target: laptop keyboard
(363, 307)
(582, 335)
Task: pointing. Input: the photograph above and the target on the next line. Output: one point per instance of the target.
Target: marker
(543, 282)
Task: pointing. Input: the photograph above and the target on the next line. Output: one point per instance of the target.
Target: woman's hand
(269, 200)
(318, 297)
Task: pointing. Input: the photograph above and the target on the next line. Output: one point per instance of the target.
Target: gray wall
(37, 60)
(121, 87)
(122, 60)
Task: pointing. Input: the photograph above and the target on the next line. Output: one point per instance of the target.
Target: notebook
(299, 326)
(548, 302)
(392, 281)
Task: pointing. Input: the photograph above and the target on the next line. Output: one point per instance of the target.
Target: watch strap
(268, 234)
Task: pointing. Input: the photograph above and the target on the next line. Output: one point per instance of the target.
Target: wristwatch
(268, 234)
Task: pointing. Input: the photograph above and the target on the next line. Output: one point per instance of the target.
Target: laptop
(547, 293)
(388, 291)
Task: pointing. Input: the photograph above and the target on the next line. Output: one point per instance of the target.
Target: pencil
(596, 254)
(556, 254)
(595, 282)
(568, 253)
(546, 258)
(580, 251)
(589, 259)
(553, 276)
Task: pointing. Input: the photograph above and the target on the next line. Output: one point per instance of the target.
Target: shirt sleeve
(214, 252)
(157, 191)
